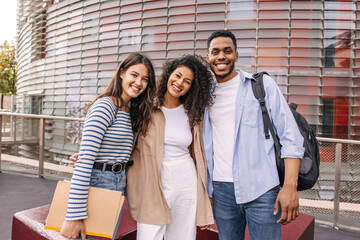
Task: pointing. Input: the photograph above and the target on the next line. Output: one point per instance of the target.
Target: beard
(224, 75)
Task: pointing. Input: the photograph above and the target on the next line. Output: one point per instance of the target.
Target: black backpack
(309, 165)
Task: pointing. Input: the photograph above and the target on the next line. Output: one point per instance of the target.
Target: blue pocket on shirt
(251, 113)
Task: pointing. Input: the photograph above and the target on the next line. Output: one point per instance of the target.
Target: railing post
(337, 185)
(41, 147)
(14, 124)
(0, 139)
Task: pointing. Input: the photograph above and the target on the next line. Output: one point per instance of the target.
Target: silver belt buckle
(114, 166)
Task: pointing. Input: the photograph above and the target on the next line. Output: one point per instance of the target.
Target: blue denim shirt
(254, 168)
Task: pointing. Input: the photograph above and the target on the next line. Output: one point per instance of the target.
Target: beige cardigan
(144, 188)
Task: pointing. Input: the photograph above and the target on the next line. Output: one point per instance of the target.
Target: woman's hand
(72, 229)
(73, 159)
(204, 227)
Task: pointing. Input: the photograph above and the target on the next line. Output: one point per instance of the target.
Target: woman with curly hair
(123, 109)
(166, 186)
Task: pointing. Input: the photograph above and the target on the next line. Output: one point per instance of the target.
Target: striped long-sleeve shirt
(106, 138)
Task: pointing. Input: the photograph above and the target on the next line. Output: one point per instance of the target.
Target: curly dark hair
(221, 33)
(200, 94)
(141, 106)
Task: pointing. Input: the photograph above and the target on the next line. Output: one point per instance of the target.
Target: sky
(7, 21)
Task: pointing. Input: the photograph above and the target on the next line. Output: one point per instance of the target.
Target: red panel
(23, 227)
(341, 118)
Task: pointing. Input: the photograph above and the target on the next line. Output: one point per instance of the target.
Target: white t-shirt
(178, 135)
(222, 117)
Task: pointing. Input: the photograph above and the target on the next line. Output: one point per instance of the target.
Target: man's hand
(73, 158)
(72, 229)
(288, 198)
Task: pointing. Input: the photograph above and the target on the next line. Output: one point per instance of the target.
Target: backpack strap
(293, 106)
(257, 85)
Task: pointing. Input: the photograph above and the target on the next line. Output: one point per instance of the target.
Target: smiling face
(134, 81)
(222, 56)
(179, 82)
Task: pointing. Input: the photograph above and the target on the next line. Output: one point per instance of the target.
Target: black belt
(115, 168)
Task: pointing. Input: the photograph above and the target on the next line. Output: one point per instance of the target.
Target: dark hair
(221, 33)
(140, 107)
(200, 94)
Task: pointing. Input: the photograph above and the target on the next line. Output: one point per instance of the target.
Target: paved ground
(21, 191)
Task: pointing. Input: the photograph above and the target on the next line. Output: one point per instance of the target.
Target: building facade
(68, 50)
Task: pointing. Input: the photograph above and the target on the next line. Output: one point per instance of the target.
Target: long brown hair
(141, 106)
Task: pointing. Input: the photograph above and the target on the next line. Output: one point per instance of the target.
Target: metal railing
(334, 200)
(40, 136)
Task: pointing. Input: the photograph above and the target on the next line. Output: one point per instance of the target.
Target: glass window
(181, 45)
(305, 81)
(130, 48)
(206, 26)
(306, 14)
(155, 21)
(306, 24)
(150, 38)
(179, 53)
(108, 58)
(89, 60)
(107, 51)
(302, 62)
(154, 29)
(182, 10)
(109, 35)
(108, 66)
(181, 19)
(76, 20)
(109, 20)
(305, 33)
(73, 84)
(274, 5)
(110, 4)
(270, 61)
(268, 52)
(90, 45)
(154, 47)
(91, 52)
(203, 8)
(173, 3)
(307, 5)
(89, 68)
(274, 15)
(304, 90)
(272, 42)
(273, 33)
(111, 12)
(312, 43)
(130, 16)
(185, 27)
(109, 43)
(130, 8)
(155, 4)
(272, 23)
(91, 16)
(91, 8)
(110, 27)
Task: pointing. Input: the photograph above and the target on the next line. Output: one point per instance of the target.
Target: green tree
(8, 71)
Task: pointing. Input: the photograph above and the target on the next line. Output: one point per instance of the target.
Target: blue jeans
(107, 180)
(231, 218)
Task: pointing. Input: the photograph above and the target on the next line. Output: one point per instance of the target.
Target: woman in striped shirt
(113, 117)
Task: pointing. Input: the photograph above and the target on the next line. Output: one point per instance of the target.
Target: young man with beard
(242, 175)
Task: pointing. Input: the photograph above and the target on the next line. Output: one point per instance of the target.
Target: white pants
(179, 181)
